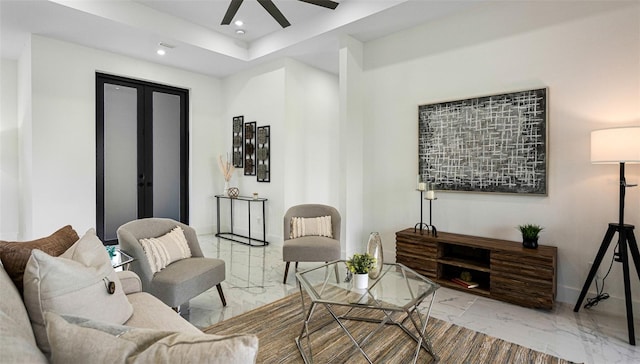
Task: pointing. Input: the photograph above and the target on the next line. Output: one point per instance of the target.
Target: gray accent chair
(180, 281)
(310, 248)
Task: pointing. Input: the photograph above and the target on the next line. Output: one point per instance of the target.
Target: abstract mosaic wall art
(494, 143)
(250, 148)
(237, 139)
(263, 154)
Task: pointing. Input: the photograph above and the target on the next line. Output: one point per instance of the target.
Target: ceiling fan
(273, 10)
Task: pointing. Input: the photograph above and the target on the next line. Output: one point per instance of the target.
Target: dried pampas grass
(226, 168)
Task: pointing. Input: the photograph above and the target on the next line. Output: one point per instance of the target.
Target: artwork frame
(237, 140)
(263, 154)
(250, 148)
(496, 143)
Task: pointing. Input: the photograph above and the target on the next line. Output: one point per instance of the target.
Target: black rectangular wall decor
(238, 123)
(264, 154)
(250, 148)
(494, 143)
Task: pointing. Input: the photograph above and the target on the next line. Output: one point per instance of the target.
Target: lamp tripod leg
(635, 254)
(596, 264)
(627, 289)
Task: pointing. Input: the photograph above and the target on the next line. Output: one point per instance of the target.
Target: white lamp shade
(615, 145)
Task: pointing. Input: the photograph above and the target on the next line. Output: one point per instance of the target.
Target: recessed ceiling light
(162, 46)
(240, 31)
(239, 23)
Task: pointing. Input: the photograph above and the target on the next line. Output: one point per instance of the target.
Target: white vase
(226, 188)
(361, 281)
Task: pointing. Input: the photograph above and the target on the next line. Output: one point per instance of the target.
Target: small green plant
(530, 231)
(361, 263)
(111, 249)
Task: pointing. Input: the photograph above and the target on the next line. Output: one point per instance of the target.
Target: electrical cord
(600, 296)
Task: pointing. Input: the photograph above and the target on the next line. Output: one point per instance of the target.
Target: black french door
(141, 153)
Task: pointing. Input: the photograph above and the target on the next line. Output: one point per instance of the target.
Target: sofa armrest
(130, 282)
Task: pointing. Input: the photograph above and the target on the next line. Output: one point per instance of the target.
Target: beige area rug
(279, 323)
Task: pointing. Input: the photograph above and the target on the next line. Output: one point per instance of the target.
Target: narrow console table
(504, 270)
(230, 235)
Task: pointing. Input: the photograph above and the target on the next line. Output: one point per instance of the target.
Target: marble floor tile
(254, 278)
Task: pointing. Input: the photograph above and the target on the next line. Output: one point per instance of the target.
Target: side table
(121, 259)
(231, 235)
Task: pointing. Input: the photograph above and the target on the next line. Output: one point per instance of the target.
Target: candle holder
(421, 225)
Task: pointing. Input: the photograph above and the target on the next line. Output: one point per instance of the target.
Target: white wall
(259, 96)
(300, 104)
(63, 134)
(352, 146)
(587, 54)
(8, 150)
(24, 140)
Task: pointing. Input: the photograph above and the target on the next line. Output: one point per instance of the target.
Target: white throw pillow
(75, 340)
(311, 226)
(166, 249)
(75, 283)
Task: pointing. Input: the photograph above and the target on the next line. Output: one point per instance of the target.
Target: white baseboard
(614, 305)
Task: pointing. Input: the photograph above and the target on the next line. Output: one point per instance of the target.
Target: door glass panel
(120, 163)
(166, 155)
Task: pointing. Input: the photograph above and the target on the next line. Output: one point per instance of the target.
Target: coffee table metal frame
(417, 286)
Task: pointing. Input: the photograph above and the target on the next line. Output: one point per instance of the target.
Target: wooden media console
(503, 270)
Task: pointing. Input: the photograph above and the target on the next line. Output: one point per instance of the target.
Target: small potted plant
(360, 265)
(530, 235)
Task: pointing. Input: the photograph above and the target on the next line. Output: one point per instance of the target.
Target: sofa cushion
(166, 249)
(77, 340)
(74, 283)
(17, 343)
(15, 254)
(311, 226)
(150, 313)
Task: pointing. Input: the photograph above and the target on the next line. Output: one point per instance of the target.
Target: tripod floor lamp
(620, 146)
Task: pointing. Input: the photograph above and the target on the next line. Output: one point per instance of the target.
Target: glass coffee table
(398, 296)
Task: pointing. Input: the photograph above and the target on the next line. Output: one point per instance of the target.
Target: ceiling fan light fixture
(273, 10)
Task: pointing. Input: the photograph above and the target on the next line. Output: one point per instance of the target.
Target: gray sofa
(17, 342)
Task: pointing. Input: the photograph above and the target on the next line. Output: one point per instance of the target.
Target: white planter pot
(361, 281)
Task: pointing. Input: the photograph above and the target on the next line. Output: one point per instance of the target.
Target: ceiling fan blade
(231, 11)
(324, 3)
(271, 8)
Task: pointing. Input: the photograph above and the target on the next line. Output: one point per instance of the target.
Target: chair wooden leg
(335, 266)
(286, 271)
(219, 287)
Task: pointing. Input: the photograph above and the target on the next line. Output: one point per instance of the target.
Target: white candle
(422, 186)
(431, 195)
